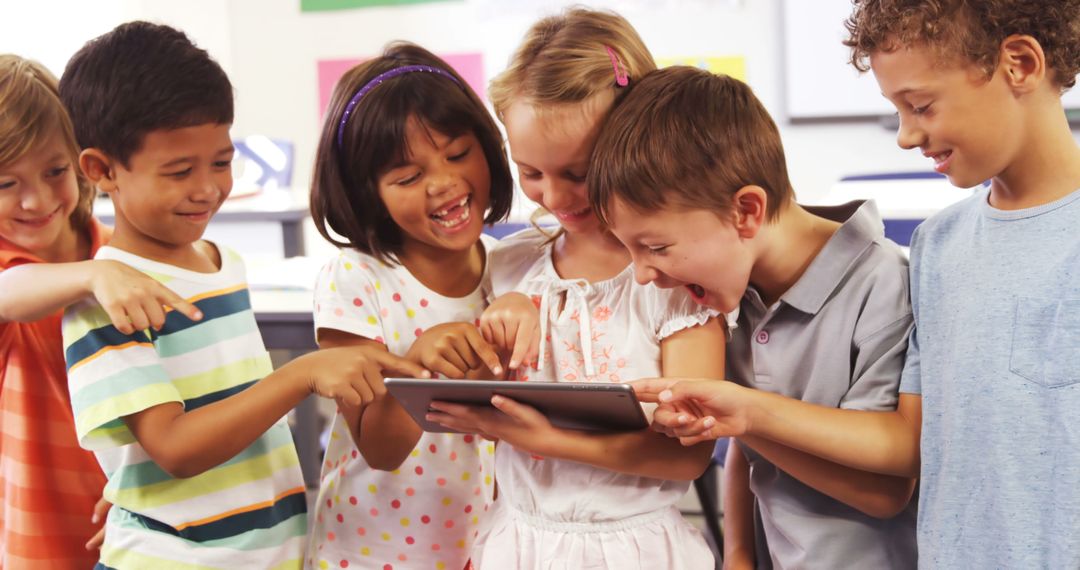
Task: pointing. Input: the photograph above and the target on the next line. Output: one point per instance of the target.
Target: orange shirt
(48, 484)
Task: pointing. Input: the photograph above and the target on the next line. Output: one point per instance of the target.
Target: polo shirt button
(763, 337)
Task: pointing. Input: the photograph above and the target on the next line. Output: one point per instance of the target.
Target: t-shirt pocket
(1046, 341)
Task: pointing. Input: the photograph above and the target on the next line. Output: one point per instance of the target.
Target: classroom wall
(270, 49)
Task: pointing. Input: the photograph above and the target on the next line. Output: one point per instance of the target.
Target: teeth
(451, 223)
(443, 212)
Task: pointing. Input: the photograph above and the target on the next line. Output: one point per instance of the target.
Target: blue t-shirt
(996, 357)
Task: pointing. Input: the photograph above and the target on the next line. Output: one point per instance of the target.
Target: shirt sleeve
(672, 310)
(346, 299)
(911, 378)
(880, 343)
(110, 375)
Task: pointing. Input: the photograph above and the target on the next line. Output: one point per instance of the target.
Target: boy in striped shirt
(186, 419)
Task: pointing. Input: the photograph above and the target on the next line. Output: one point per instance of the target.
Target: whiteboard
(819, 81)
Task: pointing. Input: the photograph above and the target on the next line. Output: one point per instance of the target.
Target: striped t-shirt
(248, 512)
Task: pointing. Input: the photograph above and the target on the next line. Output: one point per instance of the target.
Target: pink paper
(469, 65)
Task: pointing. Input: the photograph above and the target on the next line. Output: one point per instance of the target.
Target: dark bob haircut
(345, 190)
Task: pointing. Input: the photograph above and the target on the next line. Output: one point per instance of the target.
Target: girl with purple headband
(410, 166)
(570, 499)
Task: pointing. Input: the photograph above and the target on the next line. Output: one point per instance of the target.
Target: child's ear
(98, 169)
(750, 204)
(1023, 62)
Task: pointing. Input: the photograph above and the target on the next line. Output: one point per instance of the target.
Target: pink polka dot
(380, 340)
(368, 289)
(361, 531)
(435, 547)
(423, 302)
(425, 519)
(453, 457)
(397, 297)
(344, 563)
(354, 454)
(395, 503)
(468, 508)
(410, 540)
(329, 503)
(353, 501)
(476, 322)
(410, 491)
(385, 312)
(476, 491)
(469, 439)
(432, 448)
(357, 302)
(419, 331)
(340, 518)
(330, 536)
(441, 481)
(402, 557)
(419, 470)
(387, 567)
(449, 524)
(374, 512)
(339, 311)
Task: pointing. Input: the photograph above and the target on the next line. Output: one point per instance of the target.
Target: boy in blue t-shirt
(992, 378)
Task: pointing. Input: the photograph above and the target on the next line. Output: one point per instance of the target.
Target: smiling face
(958, 118)
(438, 195)
(552, 154)
(170, 189)
(38, 194)
(684, 247)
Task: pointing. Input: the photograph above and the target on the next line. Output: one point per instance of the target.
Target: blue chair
(706, 488)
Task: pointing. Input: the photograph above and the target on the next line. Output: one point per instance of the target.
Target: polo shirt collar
(860, 227)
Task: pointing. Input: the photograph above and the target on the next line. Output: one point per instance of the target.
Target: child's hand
(133, 300)
(352, 375)
(453, 349)
(101, 509)
(695, 410)
(512, 324)
(518, 424)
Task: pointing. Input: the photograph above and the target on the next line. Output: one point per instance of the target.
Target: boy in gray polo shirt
(689, 173)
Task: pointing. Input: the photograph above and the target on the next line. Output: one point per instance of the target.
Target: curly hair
(972, 29)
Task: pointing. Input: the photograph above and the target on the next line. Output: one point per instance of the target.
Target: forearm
(186, 444)
(384, 433)
(875, 494)
(881, 442)
(37, 290)
(645, 452)
(738, 502)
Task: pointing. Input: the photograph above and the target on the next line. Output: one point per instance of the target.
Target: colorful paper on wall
(327, 5)
(734, 65)
(469, 65)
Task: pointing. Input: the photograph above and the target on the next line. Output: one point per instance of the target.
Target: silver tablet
(572, 405)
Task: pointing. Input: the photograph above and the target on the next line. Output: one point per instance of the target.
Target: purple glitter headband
(375, 82)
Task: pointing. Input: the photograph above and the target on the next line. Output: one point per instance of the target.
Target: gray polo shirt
(837, 337)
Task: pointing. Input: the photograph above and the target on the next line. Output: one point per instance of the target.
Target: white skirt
(656, 540)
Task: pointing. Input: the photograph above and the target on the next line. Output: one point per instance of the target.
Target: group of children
(681, 260)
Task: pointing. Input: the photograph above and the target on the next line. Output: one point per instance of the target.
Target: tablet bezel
(570, 405)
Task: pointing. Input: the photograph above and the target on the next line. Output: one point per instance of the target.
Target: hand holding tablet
(570, 405)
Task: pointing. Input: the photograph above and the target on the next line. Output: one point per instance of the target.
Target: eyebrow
(185, 159)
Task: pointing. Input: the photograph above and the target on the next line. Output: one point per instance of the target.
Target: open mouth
(454, 215)
(573, 215)
(941, 160)
(696, 291)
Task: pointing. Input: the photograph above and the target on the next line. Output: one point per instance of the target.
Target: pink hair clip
(621, 78)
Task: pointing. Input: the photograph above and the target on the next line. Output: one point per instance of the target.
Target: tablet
(571, 405)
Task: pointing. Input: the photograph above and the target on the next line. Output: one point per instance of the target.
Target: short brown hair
(138, 78)
(30, 113)
(690, 138)
(345, 188)
(970, 29)
(564, 59)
